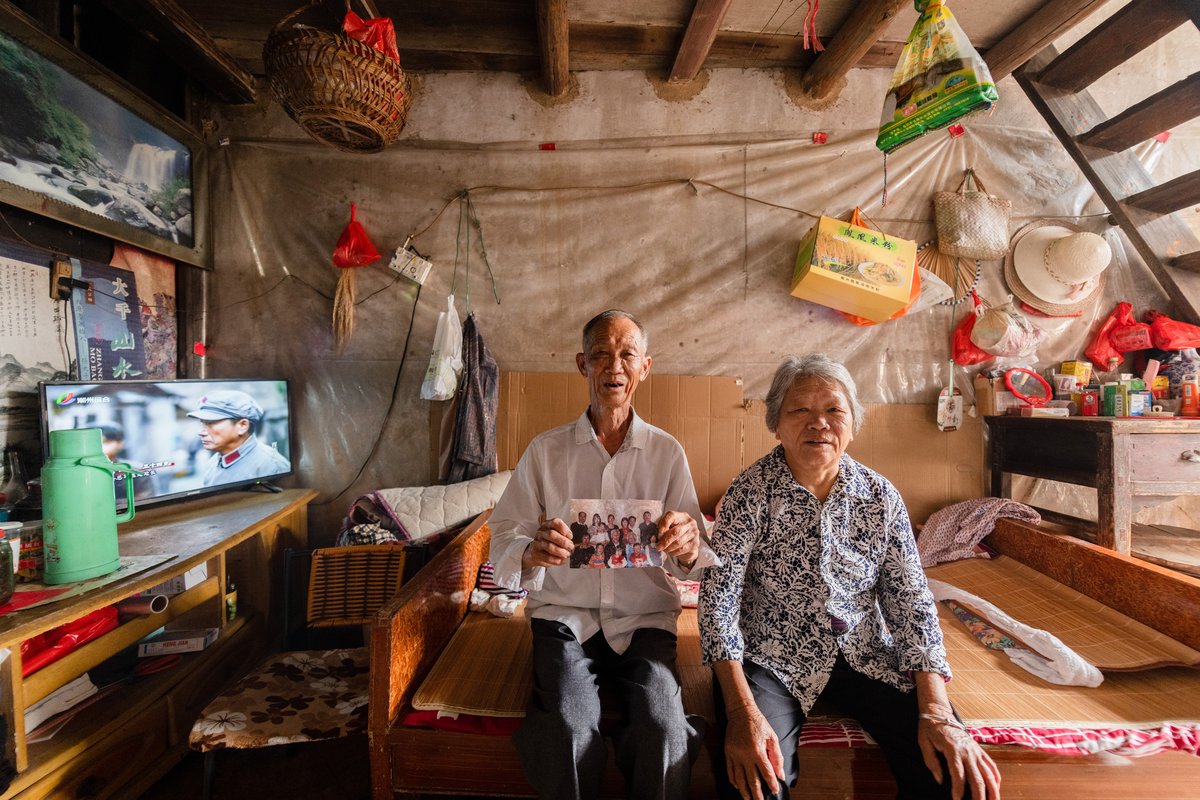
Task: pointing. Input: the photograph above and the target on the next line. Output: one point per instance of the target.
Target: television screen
(182, 437)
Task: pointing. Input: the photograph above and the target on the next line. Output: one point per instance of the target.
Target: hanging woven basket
(342, 92)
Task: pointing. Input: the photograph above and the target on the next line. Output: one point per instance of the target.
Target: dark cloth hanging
(473, 453)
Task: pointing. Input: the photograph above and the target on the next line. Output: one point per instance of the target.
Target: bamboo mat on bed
(989, 690)
(487, 669)
(1103, 637)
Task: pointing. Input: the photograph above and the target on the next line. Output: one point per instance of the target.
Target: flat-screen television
(183, 438)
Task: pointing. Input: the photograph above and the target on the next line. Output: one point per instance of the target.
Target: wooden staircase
(1057, 83)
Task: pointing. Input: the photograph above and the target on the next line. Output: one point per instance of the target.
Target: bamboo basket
(342, 92)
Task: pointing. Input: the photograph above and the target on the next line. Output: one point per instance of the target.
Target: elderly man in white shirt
(615, 625)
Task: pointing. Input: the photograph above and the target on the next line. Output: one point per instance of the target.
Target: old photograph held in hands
(614, 534)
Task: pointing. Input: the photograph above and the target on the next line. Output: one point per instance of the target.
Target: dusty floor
(332, 770)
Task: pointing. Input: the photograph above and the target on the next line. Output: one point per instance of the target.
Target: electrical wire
(391, 404)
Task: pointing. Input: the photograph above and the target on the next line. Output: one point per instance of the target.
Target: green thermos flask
(79, 511)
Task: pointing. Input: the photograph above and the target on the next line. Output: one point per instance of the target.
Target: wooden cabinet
(1124, 459)
(123, 742)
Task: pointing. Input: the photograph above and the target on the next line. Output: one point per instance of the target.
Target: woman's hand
(752, 753)
(968, 764)
(551, 546)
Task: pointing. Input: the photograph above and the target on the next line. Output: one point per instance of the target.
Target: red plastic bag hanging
(1129, 334)
(966, 352)
(1100, 352)
(1171, 334)
(377, 32)
(354, 248)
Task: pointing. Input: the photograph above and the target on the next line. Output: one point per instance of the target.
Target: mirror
(1028, 387)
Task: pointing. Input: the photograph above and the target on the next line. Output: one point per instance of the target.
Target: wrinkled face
(614, 536)
(223, 435)
(614, 365)
(815, 424)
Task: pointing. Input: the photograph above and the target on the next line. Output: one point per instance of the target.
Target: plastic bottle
(1189, 389)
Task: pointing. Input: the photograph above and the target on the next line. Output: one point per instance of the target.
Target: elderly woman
(821, 595)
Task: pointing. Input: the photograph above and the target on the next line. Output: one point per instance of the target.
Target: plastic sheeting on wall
(697, 239)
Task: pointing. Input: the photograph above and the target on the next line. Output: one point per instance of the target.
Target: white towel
(1053, 661)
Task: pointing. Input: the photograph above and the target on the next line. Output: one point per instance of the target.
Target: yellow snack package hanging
(940, 79)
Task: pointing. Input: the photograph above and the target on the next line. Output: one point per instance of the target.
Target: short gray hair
(596, 322)
(813, 365)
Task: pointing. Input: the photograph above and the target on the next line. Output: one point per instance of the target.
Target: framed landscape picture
(79, 145)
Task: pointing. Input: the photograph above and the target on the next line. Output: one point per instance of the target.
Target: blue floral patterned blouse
(801, 580)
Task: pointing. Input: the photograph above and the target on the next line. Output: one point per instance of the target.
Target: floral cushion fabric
(291, 697)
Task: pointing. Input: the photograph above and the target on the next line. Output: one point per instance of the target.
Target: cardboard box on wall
(854, 269)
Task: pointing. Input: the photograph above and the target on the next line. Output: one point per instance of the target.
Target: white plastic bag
(445, 362)
(1004, 331)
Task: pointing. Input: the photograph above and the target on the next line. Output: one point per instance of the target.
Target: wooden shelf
(77, 662)
(116, 710)
(139, 730)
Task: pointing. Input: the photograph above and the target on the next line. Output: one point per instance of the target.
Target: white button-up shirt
(569, 463)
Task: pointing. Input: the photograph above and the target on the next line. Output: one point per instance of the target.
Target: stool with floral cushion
(308, 695)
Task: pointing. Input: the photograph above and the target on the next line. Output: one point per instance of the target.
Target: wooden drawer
(229, 659)
(104, 769)
(1160, 457)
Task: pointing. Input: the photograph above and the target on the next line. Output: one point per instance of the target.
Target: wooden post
(1051, 20)
(698, 38)
(852, 41)
(554, 39)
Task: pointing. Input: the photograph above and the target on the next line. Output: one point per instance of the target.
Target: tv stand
(264, 486)
(130, 738)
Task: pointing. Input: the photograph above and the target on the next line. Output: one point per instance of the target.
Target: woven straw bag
(970, 222)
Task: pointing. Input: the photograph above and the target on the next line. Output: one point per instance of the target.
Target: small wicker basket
(342, 92)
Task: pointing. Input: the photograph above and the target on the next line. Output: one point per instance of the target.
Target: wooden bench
(410, 633)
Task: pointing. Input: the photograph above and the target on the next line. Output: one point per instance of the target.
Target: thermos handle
(103, 463)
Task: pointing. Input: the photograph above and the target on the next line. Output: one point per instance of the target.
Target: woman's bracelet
(951, 721)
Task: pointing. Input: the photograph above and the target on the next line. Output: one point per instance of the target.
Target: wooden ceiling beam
(554, 42)
(1160, 112)
(191, 46)
(1114, 41)
(698, 39)
(853, 40)
(1038, 31)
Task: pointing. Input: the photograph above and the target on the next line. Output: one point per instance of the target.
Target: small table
(1122, 458)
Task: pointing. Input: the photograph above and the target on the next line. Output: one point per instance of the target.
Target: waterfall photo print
(71, 151)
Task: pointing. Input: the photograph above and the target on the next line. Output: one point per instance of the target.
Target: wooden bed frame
(408, 635)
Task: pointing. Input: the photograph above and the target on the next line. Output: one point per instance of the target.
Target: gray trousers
(561, 745)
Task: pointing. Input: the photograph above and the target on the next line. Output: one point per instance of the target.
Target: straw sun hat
(1056, 267)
